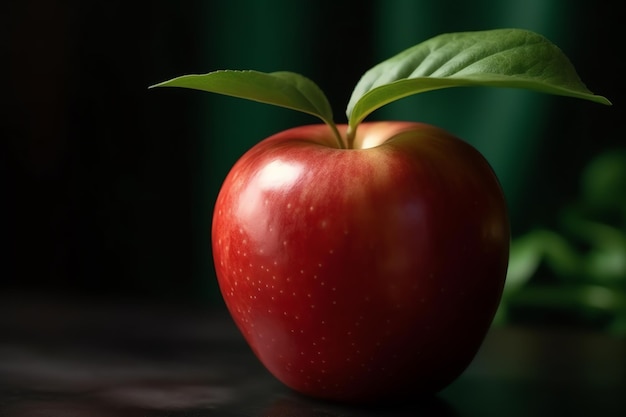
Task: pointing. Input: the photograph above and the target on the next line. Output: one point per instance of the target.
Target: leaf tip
(161, 84)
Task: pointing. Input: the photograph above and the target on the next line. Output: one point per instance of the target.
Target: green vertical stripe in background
(261, 35)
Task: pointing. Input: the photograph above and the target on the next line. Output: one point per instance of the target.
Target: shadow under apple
(296, 405)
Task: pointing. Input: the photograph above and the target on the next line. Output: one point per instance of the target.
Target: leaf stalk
(341, 141)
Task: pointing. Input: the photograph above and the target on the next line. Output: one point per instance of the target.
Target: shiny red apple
(366, 261)
(365, 273)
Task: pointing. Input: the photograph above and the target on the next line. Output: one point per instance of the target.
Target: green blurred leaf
(528, 251)
(524, 258)
(573, 297)
(582, 300)
(603, 182)
(604, 262)
(496, 58)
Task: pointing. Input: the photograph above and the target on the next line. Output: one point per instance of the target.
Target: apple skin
(362, 274)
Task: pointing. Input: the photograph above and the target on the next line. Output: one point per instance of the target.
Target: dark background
(106, 187)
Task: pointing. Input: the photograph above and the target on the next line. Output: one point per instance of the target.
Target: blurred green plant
(578, 273)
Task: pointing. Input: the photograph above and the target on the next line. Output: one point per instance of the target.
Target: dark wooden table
(79, 357)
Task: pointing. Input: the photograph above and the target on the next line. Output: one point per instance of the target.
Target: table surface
(79, 357)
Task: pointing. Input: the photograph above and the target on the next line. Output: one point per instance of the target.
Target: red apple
(366, 261)
(364, 273)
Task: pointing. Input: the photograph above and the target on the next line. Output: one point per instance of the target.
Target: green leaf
(284, 89)
(497, 58)
(572, 297)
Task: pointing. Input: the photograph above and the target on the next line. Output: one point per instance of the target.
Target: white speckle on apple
(288, 205)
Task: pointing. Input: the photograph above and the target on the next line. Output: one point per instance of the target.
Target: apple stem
(350, 134)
